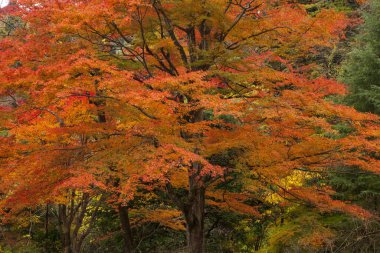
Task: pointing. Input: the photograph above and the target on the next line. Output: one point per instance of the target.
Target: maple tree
(113, 99)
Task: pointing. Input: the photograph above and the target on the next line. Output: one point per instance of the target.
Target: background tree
(361, 71)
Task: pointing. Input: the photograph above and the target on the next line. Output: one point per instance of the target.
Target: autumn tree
(115, 98)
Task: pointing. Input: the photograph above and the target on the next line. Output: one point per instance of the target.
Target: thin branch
(235, 44)
(238, 18)
(59, 119)
(170, 30)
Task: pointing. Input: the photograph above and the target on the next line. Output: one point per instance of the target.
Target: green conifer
(361, 71)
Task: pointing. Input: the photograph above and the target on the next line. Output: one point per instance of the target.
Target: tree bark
(46, 244)
(194, 209)
(195, 220)
(67, 242)
(47, 221)
(126, 227)
(64, 228)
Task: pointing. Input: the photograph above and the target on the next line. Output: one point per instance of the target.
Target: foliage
(155, 112)
(361, 70)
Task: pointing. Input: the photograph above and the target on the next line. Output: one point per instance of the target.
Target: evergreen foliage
(361, 71)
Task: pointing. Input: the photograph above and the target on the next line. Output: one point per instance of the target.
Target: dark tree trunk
(46, 244)
(195, 222)
(64, 228)
(47, 221)
(194, 213)
(67, 242)
(126, 227)
(195, 208)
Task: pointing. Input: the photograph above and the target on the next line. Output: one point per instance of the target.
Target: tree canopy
(165, 111)
(361, 70)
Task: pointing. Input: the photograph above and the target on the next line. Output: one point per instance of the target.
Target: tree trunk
(64, 228)
(126, 227)
(46, 244)
(67, 247)
(47, 221)
(195, 217)
(195, 208)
